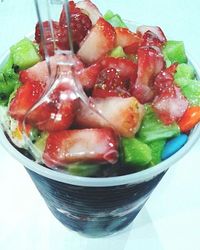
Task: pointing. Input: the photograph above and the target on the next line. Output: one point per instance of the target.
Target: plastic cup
(95, 207)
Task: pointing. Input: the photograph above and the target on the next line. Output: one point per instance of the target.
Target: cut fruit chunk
(174, 51)
(24, 54)
(90, 9)
(153, 129)
(156, 151)
(136, 153)
(88, 76)
(80, 25)
(190, 89)
(86, 145)
(122, 114)
(165, 79)
(110, 83)
(35, 80)
(116, 21)
(126, 68)
(170, 105)
(57, 112)
(99, 41)
(185, 71)
(117, 52)
(154, 29)
(124, 37)
(150, 63)
(26, 96)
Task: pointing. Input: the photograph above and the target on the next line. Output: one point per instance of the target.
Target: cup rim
(134, 178)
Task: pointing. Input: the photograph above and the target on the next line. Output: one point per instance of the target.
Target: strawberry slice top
(109, 83)
(170, 105)
(99, 41)
(150, 63)
(126, 38)
(73, 146)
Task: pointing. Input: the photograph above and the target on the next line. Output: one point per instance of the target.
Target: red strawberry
(164, 79)
(141, 30)
(151, 39)
(125, 67)
(26, 96)
(98, 42)
(122, 114)
(57, 113)
(35, 80)
(170, 105)
(61, 39)
(127, 39)
(109, 83)
(86, 145)
(80, 24)
(150, 63)
(90, 9)
(88, 76)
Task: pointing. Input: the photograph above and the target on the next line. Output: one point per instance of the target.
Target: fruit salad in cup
(143, 95)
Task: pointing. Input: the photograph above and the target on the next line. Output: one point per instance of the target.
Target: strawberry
(151, 39)
(170, 105)
(89, 9)
(80, 24)
(164, 79)
(71, 146)
(35, 81)
(56, 113)
(27, 95)
(98, 42)
(61, 39)
(157, 31)
(150, 63)
(125, 67)
(88, 76)
(127, 39)
(122, 114)
(109, 83)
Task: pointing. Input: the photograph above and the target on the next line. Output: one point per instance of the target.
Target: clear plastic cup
(95, 207)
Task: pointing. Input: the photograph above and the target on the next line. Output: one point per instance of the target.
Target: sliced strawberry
(122, 114)
(98, 42)
(26, 96)
(164, 79)
(110, 83)
(61, 39)
(151, 39)
(39, 72)
(80, 25)
(125, 67)
(57, 113)
(170, 105)
(88, 76)
(141, 30)
(86, 145)
(35, 80)
(127, 39)
(150, 63)
(90, 9)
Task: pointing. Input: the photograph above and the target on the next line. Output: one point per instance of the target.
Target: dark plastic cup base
(94, 211)
(96, 228)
